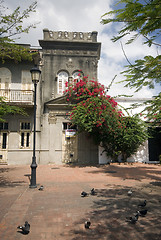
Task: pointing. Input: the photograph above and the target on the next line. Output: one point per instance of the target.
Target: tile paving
(59, 212)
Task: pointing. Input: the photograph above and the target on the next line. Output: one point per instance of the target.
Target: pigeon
(93, 192)
(25, 228)
(83, 194)
(142, 204)
(132, 219)
(129, 193)
(41, 188)
(142, 213)
(87, 224)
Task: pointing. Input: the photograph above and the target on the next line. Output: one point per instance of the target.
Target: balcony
(19, 97)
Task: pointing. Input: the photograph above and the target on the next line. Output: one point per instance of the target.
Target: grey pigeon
(132, 219)
(25, 228)
(87, 224)
(142, 213)
(41, 188)
(93, 192)
(83, 194)
(129, 193)
(142, 204)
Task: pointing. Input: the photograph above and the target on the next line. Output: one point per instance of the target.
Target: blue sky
(85, 16)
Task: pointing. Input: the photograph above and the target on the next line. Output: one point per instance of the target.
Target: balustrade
(17, 96)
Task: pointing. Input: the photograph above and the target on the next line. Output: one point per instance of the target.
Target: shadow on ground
(5, 181)
(108, 216)
(134, 173)
(81, 165)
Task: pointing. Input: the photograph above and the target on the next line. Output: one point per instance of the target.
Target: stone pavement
(59, 212)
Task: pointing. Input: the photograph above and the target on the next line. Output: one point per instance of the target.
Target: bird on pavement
(41, 188)
(142, 213)
(93, 192)
(142, 204)
(25, 228)
(132, 219)
(129, 193)
(83, 194)
(87, 224)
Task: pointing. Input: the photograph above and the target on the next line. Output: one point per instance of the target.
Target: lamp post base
(33, 173)
(32, 186)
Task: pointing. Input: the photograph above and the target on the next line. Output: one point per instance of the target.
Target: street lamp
(35, 75)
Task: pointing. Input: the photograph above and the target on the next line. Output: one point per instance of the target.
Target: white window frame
(1, 140)
(4, 130)
(77, 75)
(25, 135)
(62, 78)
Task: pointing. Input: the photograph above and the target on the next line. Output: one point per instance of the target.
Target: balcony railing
(17, 96)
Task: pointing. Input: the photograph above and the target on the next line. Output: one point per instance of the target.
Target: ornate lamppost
(35, 75)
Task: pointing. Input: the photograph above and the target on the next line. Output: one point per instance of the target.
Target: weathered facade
(64, 56)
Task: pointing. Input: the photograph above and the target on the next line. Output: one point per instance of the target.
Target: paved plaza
(59, 211)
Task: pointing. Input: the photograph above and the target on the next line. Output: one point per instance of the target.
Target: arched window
(5, 78)
(62, 79)
(78, 75)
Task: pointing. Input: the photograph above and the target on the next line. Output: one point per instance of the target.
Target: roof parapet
(70, 36)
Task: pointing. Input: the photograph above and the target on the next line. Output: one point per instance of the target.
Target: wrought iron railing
(17, 96)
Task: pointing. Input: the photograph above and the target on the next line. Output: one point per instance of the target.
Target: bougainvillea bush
(98, 114)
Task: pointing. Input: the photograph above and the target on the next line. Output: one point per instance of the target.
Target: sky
(85, 16)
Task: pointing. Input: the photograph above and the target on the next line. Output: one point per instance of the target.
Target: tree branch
(126, 55)
(154, 43)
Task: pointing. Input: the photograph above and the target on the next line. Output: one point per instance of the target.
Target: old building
(64, 55)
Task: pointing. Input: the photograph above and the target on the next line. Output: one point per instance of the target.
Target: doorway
(3, 147)
(154, 144)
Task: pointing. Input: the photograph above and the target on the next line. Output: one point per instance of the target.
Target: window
(78, 75)
(3, 134)
(62, 79)
(3, 125)
(68, 125)
(25, 139)
(25, 134)
(4, 140)
(25, 125)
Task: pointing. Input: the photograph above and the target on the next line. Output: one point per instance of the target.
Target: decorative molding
(95, 63)
(52, 94)
(60, 114)
(69, 64)
(70, 52)
(52, 118)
